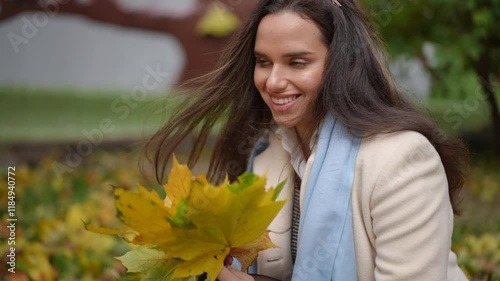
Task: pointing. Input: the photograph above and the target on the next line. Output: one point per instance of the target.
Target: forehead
(287, 30)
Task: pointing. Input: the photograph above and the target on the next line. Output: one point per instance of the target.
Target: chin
(285, 123)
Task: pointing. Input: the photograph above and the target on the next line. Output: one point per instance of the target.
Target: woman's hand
(229, 273)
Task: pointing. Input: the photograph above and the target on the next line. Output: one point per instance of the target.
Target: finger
(226, 275)
(241, 275)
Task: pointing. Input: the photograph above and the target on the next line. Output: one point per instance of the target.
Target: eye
(261, 62)
(298, 63)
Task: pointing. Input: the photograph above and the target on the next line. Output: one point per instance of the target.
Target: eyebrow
(287, 55)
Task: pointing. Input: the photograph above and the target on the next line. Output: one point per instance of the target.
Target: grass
(59, 115)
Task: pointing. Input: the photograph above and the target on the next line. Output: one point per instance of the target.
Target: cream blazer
(402, 216)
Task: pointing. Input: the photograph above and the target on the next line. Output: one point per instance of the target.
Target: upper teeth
(283, 100)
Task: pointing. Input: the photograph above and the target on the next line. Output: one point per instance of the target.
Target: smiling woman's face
(290, 58)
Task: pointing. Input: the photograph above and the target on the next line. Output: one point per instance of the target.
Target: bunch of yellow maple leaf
(197, 225)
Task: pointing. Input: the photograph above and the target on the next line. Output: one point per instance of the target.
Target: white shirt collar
(290, 142)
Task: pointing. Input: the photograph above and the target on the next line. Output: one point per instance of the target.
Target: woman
(303, 94)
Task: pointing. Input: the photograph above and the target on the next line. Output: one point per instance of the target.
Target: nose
(276, 82)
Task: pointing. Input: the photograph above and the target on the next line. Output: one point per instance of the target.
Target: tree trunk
(483, 70)
(495, 115)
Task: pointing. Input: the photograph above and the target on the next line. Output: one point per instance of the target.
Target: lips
(282, 101)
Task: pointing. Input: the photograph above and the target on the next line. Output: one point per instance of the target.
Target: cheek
(310, 83)
(315, 80)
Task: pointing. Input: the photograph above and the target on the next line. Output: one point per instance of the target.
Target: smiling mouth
(281, 101)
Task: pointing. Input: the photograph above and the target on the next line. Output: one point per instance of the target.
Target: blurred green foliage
(457, 42)
(52, 243)
(461, 32)
(440, 20)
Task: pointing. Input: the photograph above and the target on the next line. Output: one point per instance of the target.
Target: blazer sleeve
(411, 214)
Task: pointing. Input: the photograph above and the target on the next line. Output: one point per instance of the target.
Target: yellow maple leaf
(199, 224)
(228, 218)
(144, 213)
(178, 186)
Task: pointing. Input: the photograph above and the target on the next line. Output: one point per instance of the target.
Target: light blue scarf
(326, 242)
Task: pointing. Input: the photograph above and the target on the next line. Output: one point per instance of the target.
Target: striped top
(295, 216)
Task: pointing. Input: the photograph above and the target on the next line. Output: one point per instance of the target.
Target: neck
(304, 135)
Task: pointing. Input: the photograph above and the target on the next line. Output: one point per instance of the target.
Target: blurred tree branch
(201, 52)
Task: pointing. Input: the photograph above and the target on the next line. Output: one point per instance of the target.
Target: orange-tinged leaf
(247, 254)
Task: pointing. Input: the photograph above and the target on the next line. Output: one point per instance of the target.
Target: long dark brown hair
(357, 89)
